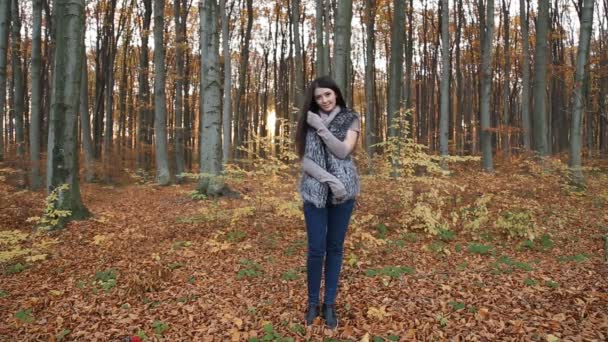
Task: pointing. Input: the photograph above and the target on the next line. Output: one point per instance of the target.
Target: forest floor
(514, 255)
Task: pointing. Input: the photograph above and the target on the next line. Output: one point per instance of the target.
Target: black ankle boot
(328, 312)
(311, 313)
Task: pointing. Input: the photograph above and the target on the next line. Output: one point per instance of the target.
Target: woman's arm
(317, 172)
(340, 149)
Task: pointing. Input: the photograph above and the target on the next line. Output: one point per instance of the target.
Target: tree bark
(180, 43)
(579, 85)
(143, 96)
(62, 162)
(506, 110)
(342, 43)
(211, 145)
(539, 119)
(240, 117)
(17, 78)
(160, 112)
(525, 87)
(35, 173)
(395, 66)
(487, 26)
(85, 121)
(5, 6)
(298, 65)
(370, 116)
(445, 82)
(322, 68)
(227, 104)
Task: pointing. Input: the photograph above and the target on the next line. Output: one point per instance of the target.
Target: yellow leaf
(552, 338)
(56, 293)
(37, 257)
(99, 239)
(365, 338)
(377, 313)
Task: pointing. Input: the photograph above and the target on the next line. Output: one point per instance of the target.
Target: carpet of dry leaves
(232, 269)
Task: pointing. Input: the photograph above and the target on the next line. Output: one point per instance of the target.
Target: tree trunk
(370, 116)
(180, 47)
(5, 6)
(298, 65)
(62, 162)
(487, 26)
(342, 43)
(35, 174)
(506, 110)
(539, 119)
(525, 87)
(85, 121)
(17, 78)
(579, 85)
(160, 111)
(240, 118)
(445, 82)
(322, 68)
(143, 96)
(211, 145)
(227, 114)
(395, 76)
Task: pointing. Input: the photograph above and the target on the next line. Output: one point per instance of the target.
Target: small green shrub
(517, 222)
(249, 269)
(481, 249)
(290, 275)
(159, 327)
(106, 279)
(16, 268)
(24, 316)
(390, 271)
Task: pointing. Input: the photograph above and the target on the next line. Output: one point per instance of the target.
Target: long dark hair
(310, 104)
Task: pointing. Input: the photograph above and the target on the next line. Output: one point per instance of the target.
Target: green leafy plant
(271, 335)
(62, 334)
(106, 279)
(3, 294)
(249, 269)
(530, 282)
(443, 321)
(551, 284)
(576, 258)
(481, 249)
(290, 275)
(393, 272)
(517, 222)
(16, 268)
(159, 327)
(457, 305)
(24, 316)
(52, 217)
(175, 265)
(236, 236)
(141, 334)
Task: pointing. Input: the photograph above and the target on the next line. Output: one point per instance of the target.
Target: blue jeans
(326, 229)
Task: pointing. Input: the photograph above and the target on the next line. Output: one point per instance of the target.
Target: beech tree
(62, 154)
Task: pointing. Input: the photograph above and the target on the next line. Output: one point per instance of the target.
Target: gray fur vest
(311, 189)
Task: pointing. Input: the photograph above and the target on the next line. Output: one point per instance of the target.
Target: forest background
(120, 98)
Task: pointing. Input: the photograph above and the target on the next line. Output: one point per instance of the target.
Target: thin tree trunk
(4, 27)
(35, 173)
(506, 110)
(322, 68)
(240, 117)
(17, 78)
(143, 95)
(180, 43)
(227, 114)
(445, 82)
(160, 112)
(579, 85)
(539, 119)
(396, 66)
(370, 120)
(85, 122)
(487, 26)
(525, 90)
(299, 69)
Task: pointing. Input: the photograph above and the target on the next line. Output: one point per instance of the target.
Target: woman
(326, 135)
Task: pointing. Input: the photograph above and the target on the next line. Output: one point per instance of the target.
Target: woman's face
(326, 99)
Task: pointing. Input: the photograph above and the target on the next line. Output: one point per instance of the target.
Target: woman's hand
(314, 120)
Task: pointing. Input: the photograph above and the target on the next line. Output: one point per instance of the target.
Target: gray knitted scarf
(311, 189)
